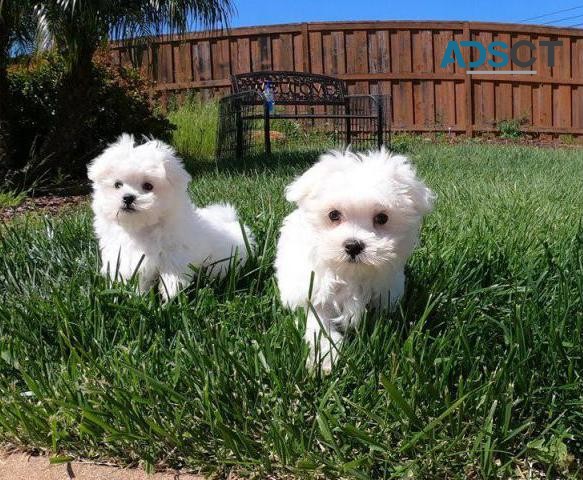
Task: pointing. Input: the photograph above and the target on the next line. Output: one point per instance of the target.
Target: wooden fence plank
(469, 111)
(577, 72)
(403, 103)
(243, 55)
(374, 56)
(502, 93)
(165, 63)
(339, 52)
(445, 111)
(316, 52)
(401, 51)
(357, 51)
(299, 57)
(201, 60)
(183, 62)
(423, 62)
(485, 99)
(220, 58)
(282, 51)
(562, 94)
(261, 53)
(329, 59)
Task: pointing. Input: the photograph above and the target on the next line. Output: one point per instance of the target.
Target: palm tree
(79, 27)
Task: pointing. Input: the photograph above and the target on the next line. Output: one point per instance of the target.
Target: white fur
(360, 187)
(165, 232)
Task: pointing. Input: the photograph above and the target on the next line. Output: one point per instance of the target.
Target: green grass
(195, 135)
(478, 374)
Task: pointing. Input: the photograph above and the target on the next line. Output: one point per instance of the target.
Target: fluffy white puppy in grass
(356, 224)
(146, 224)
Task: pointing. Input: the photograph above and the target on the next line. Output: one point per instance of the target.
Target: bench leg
(348, 125)
(380, 121)
(239, 126)
(266, 129)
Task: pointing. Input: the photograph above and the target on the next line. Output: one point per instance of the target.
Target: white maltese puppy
(356, 224)
(147, 225)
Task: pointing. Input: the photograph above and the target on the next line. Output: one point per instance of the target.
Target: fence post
(468, 88)
(380, 120)
(266, 128)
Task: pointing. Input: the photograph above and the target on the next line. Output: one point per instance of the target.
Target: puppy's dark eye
(148, 187)
(118, 184)
(334, 216)
(381, 218)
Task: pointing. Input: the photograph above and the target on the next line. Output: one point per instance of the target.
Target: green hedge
(117, 101)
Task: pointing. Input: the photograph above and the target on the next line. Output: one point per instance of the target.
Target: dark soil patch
(48, 205)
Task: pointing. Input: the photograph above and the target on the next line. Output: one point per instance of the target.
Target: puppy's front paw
(323, 351)
(324, 363)
(170, 285)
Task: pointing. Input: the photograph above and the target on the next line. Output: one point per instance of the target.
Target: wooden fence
(400, 58)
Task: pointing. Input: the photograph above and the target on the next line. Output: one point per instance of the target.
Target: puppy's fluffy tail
(225, 217)
(220, 211)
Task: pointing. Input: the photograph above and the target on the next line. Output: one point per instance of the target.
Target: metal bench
(318, 102)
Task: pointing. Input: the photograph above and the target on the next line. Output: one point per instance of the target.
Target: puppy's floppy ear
(104, 163)
(306, 185)
(97, 168)
(420, 194)
(175, 172)
(422, 198)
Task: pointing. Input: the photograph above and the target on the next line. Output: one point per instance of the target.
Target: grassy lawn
(477, 375)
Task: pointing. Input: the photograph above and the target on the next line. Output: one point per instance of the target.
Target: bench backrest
(293, 88)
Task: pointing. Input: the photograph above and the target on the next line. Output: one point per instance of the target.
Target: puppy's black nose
(353, 247)
(128, 198)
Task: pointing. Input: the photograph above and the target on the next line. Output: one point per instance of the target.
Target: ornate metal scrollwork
(293, 88)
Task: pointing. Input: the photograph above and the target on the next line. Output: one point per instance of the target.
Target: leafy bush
(291, 130)
(11, 199)
(123, 101)
(567, 139)
(405, 142)
(33, 91)
(510, 128)
(117, 101)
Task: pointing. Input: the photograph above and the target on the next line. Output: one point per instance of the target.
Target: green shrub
(567, 139)
(11, 199)
(292, 130)
(33, 92)
(123, 101)
(117, 101)
(405, 142)
(510, 128)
